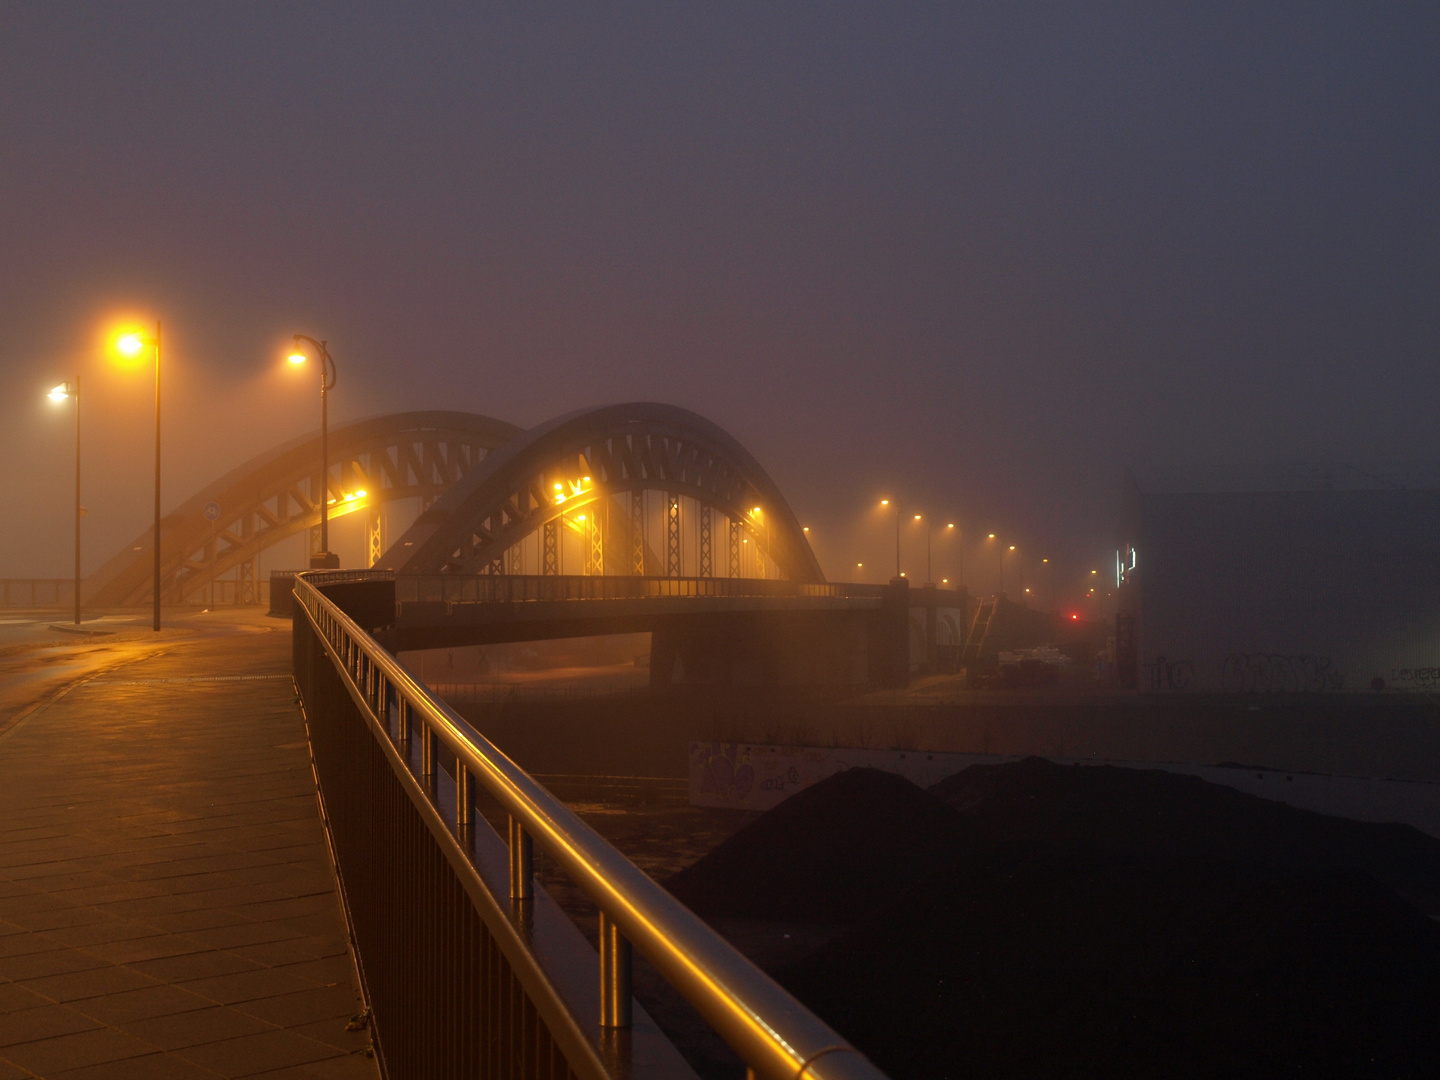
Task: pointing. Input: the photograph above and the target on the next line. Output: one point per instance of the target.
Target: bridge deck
(167, 906)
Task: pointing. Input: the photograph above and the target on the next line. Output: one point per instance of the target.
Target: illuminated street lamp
(886, 502)
(132, 343)
(929, 534)
(71, 391)
(1000, 561)
(323, 559)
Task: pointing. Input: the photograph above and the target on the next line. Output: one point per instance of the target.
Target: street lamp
(1000, 561)
(929, 535)
(322, 559)
(886, 502)
(927, 549)
(72, 392)
(132, 344)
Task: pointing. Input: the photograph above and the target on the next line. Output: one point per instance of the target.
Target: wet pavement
(167, 903)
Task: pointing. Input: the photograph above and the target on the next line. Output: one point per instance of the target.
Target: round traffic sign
(212, 511)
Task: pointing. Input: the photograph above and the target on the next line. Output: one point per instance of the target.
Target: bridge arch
(275, 495)
(594, 466)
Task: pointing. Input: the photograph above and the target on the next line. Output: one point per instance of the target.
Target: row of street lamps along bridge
(641, 448)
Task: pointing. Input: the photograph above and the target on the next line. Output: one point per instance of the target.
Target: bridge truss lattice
(632, 489)
(276, 495)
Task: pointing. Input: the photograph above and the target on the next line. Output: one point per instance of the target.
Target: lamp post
(886, 502)
(323, 559)
(61, 393)
(929, 536)
(921, 519)
(131, 345)
(1000, 562)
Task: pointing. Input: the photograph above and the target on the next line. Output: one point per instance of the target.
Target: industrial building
(1301, 579)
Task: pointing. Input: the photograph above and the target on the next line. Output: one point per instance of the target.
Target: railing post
(522, 862)
(427, 758)
(614, 975)
(464, 796)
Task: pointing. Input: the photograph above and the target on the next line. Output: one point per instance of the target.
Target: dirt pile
(1148, 813)
(1032, 919)
(1029, 961)
(830, 853)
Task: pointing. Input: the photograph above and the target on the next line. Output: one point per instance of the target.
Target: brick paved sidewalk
(167, 906)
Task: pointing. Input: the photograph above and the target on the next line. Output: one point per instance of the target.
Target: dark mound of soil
(1092, 921)
(1155, 814)
(830, 853)
(1030, 961)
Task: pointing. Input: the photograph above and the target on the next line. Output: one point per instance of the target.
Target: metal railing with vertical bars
(37, 592)
(521, 588)
(470, 969)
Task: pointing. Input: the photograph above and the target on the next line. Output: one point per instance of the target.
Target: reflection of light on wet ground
(26, 678)
(14, 679)
(86, 621)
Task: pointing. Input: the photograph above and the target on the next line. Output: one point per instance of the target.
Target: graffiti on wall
(1263, 673)
(1127, 657)
(1266, 673)
(726, 769)
(1425, 678)
(1165, 674)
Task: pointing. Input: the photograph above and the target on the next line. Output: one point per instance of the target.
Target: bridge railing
(37, 592)
(469, 967)
(519, 588)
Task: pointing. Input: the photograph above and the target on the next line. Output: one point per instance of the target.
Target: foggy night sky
(986, 256)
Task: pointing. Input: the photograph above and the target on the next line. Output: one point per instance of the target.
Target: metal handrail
(516, 588)
(774, 1034)
(61, 591)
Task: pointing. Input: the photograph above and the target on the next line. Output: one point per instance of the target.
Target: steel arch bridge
(586, 476)
(276, 495)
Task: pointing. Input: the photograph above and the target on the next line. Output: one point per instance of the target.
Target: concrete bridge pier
(787, 648)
